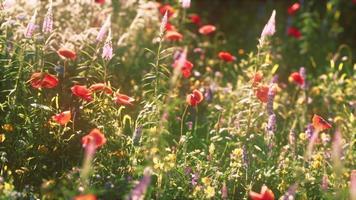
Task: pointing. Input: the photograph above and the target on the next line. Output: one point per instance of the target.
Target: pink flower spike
(104, 28)
(31, 26)
(48, 20)
(164, 22)
(353, 185)
(185, 3)
(107, 49)
(270, 28)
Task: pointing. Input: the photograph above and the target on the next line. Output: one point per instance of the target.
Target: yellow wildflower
(8, 127)
(209, 192)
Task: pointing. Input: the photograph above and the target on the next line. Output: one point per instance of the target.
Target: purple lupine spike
(303, 74)
(224, 192)
(353, 185)
(107, 49)
(140, 189)
(164, 22)
(275, 79)
(325, 182)
(270, 99)
(208, 94)
(47, 26)
(185, 3)
(103, 30)
(291, 192)
(244, 156)
(309, 131)
(269, 29)
(195, 178)
(271, 126)
(31, 26)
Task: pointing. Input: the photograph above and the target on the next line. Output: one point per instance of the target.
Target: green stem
(182, 120)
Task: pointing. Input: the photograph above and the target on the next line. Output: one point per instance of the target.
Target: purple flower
(270, 99)
(107, 49)
(104, 28)
(208, 94)
(31, 26)
(185, 3)
(302, 73)
(47, 26)
(353, 185)
(163, 24)
(269, 29)
(291, 192)
(195, 178)
(325, 182)
(309, 131)
(271, 125)
(244, 156)
(140, 189)
(224, 193)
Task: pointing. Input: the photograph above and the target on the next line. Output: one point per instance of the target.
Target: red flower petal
(296, 78)
(262, 93)
(294, 32)
(67, 53)
(320, 124)
(195, 98)
(95, 137)
(195, 19)
(82, 92)
(226, 56)
(265, 194)
(167, 8)
(257, 78)
(123, 99)
(100, 87)
(293, 8)
(207, 29)
(173, 36)
(62, 118)
(43, 80)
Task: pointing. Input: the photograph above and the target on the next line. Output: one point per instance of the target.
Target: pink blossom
(48, 20)
(31, 26)
(270, 27)
(186, 3)
(107, 49)
(104, 28)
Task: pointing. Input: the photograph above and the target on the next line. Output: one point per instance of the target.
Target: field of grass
(177, 99)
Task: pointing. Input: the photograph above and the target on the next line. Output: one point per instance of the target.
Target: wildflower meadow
(177, 99)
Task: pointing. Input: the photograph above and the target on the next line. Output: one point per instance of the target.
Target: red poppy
(167, 8)
(85, 197)
(195, 19)
(170, 27)
(82, 92)
(195, 98)
(320, 124)
(62, 118)
(186, 69)
(67, 53)
(43, 80)
(100, 1)
(265, 194)
(296, 78)
(207, 29)
(226, 56)
(123, 99)
(101, 87)
(262, 93)
(95, 137)
(293, 8)
(294, 32)
(173, 36)
(257, 78)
